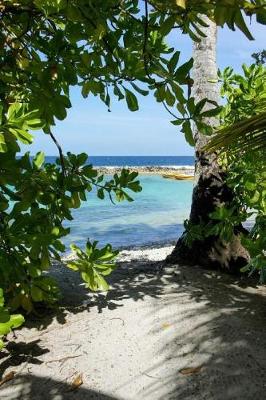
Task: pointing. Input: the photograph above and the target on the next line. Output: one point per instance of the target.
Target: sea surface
(155, 217)
(139, 161)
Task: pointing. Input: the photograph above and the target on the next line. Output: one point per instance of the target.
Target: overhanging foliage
(110, 49)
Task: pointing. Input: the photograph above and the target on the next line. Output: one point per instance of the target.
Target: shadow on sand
(214, 321)
(31, 387)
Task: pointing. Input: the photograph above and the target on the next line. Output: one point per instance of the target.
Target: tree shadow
(129, 281)
(16, 353)
(31, 387)
(211, 320)
(215, 324)
(132, 279)
(74, 295)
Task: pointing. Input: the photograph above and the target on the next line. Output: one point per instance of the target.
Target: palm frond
(248, 135)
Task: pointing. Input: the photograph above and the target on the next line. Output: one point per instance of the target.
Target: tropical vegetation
(242, 143)
(110, 49)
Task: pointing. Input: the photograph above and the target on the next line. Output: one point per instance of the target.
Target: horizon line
(126, 155)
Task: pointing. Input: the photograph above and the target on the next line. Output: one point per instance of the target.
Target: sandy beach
(162, 332)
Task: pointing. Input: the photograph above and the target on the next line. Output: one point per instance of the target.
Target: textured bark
(210, 190)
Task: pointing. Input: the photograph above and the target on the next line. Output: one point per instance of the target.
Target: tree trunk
(210, 189)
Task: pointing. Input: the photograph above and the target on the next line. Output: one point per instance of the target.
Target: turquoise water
(156, 215)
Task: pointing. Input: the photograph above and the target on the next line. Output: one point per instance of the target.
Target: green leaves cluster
(7, 321)
(244, 159)
(15, 126)
(36, 198)
(118, 185)
(94, 264)
(256, 245)
(247, 178)
(223, 223)
(223, 12)
(246, 96)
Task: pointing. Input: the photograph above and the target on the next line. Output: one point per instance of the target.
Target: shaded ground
(133, 342)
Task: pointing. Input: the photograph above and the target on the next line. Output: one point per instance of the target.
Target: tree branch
(61, 156)
(146, 32)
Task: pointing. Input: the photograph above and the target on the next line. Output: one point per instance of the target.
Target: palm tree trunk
(210, 189)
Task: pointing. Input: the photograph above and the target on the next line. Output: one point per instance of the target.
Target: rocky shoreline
(155, 170)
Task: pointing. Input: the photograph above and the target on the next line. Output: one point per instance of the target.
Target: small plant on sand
(93, 264)
(7, 321)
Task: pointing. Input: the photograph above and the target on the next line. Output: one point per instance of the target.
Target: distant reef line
(155, 170)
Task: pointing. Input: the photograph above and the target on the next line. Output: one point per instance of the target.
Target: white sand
(132, 343)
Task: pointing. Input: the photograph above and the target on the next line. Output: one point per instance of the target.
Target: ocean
(155, 217)
(139, 161)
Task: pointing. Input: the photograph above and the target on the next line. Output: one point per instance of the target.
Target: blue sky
(89, 127)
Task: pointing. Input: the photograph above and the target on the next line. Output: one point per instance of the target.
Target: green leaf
(181, 109)
(173, 61)
(2, 301)
(37, 294)
(261, 17)
(118, 93)
(35, 123)
(14, 111)
(169, 98)
(22, 135)
(139, 90)
(3, 145)
(186, 129)
(39, 159)
(222, 14)
(241, 24)
(4, 316)
(177, 121)
(213, 112)
(59, 110)
(204, 128)
(100, 193)
(250, 185)
(160, 93)
(94, 87)
(131, 100)
(183, 71)
(15, 321)
(179, 93)
(181, 3)
(167, 25)
(101, 283)
(255, 198)
(191, 106)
